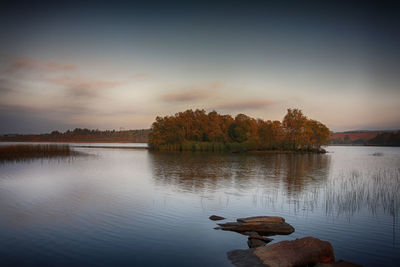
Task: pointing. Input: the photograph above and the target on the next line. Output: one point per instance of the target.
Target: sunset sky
(107, 65)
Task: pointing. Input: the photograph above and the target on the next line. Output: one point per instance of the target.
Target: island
(200, 131)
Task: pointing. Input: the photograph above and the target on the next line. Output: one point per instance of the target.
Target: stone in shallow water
(263, 225)
(254, 242)
(262, 219)
(216, 218)
(249, 233)
(300, 252)
(255, 235)
(244, 258)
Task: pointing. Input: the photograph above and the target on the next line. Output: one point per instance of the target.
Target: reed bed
(344, 194)
(21, 152)
(377, 190)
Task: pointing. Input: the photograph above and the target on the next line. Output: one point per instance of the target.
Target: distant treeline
(386, 139)
(367, 138)
(198, 130)
(81, 135)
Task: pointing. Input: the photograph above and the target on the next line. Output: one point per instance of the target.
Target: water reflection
(43, 160)
(122, 206)
(269, 178)
(299, 183)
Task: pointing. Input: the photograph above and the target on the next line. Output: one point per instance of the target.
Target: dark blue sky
(119, 64)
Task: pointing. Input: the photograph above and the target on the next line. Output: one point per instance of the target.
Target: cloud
(193, 92)
(79, 87)
(190, 95)
(30, 64)
(245, 105)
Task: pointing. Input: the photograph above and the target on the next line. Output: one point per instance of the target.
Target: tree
(198, 130)
(293, 124)
(318, 134)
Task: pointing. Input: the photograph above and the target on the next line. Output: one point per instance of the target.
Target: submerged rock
(263, 225)
(255, 242)
(300, 252)
(216, 218)
(259, 237)
(255, 235)
(244, 258)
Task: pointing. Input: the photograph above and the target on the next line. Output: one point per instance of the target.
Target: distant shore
(69, 141)
(79, 135)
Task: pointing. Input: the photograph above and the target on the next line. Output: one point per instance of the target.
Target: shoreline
(115, 147)
(59, 141)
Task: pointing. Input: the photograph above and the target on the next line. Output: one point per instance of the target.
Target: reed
(354, 190)
(20, 152)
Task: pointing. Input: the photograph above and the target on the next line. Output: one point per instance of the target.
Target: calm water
(138, 208)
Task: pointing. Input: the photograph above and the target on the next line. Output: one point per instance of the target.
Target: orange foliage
(198, 130)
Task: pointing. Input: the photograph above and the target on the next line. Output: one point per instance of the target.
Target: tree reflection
(266, 177)
(298, 182)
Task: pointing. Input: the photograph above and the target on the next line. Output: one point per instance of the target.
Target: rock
(216, 218)
(244, 258)
(250, 233)
(255, 235)
(261, 219)
(254, 242)
(265, 239)
(263, 225)
(340, 263)
(300, 252)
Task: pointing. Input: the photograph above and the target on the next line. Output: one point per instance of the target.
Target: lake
(133, 207)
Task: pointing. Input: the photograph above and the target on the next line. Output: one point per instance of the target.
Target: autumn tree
(293, 125)
(318, 134)
(198, 130)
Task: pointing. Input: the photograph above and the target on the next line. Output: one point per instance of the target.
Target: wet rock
(263, 225)
(254, 242)
(216, 218)
(244, 258)
(261, 219)
(300, 252)
(259, 237)
(249, 233)
(340, 263)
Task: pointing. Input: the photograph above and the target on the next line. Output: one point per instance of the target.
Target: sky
(118, 65)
